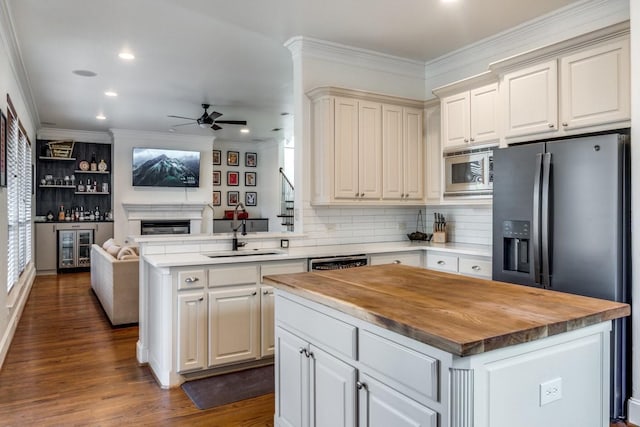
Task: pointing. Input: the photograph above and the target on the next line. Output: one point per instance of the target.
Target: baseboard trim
(16, 309)
(633, 411)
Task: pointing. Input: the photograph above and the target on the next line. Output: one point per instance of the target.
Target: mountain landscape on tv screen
(164, 171)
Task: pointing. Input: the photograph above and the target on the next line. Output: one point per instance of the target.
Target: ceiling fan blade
(181, 117)
(215, 127)
(183, 124)
(233, 122)
(214, 115)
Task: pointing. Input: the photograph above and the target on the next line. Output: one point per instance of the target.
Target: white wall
(634, 404)
(11, 305)
(123, 191)
(317, 64)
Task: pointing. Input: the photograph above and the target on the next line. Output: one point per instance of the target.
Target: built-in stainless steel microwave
(469, 173)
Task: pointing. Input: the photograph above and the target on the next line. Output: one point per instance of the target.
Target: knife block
(439, 236)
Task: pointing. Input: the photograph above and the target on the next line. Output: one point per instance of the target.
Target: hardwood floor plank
(68, 366)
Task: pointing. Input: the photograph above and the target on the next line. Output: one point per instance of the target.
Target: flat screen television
(154, 167)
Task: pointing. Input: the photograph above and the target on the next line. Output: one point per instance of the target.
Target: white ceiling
(228, 53)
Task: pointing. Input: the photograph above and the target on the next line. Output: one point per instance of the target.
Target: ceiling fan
(207, 119)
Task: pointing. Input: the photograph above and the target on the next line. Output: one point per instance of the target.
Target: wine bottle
(94, 164)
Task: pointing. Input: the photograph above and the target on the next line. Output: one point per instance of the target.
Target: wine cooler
(74, 248)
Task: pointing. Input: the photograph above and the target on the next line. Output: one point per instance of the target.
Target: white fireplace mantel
(136, 212)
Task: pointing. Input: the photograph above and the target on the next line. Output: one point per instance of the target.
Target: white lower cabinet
(267, 333)
(313, 387)
(326, 385)
(381, 406)
(413, 259)
(234, 325)
(468, 265)
(192, 331)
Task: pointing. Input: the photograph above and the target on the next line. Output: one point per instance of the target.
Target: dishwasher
(338, 263)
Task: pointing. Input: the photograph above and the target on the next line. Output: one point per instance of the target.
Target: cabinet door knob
(357, 194)
(361, 194)
(254, 293)
(466, 140)
(302, 350)
(551, 125)
(472, 139)
(397, 262)
(265, 292)
(361, 385)
(476, 268)
(191, 279)
(201, 299)
(565, 124)
(441, 262)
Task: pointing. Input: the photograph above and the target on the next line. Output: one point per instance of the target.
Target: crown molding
(363, 95)
(466, 84)
(12, 47)
(568, 22)
(301, 46)
(76, 135)
(152, 136)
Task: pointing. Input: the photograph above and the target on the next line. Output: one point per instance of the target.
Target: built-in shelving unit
(51, 192)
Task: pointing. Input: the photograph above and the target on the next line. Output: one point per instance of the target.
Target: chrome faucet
(235, 227)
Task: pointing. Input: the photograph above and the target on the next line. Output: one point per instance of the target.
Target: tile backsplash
(352, 225)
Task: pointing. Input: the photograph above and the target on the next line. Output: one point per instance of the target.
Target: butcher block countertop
(457, 314)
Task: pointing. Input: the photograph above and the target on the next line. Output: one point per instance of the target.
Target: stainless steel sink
(248, 252)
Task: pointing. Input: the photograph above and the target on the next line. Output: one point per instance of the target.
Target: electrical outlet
(550, 391)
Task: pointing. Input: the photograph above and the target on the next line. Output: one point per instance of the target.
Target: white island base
(333, 369)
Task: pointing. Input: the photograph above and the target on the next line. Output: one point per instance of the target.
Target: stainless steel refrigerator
(561, 221)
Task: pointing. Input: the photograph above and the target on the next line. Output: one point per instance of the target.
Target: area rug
(215, 391)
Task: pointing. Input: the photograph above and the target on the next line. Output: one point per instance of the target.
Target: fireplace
(165, 227)
(190, 213)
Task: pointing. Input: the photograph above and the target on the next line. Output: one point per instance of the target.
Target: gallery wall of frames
(235, 178)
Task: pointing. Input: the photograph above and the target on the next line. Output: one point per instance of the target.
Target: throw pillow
(113, 250)
(126, 250)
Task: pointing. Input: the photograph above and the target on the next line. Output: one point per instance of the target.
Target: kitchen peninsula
(418, 347)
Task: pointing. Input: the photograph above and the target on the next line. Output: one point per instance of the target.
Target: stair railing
(286, 201)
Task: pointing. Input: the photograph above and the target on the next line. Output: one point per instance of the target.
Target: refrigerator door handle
(535, 226)
(544, 220)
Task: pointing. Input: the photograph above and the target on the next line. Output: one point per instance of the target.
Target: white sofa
(115, 283)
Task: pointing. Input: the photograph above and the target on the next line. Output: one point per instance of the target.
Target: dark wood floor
(67, 366)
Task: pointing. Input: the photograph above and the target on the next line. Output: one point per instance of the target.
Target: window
(19, 176)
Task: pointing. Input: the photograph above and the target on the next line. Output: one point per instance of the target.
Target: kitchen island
(398, 345)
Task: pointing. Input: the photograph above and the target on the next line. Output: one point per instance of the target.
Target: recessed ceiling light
(245, 130)
(111, 93)
(127, 56)
(449, 1)
(84, 73)
(101, 117)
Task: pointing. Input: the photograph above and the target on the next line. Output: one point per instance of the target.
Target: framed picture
(250, 179)
(217, 157)
(3, 150)
(233, 178)
(251, 160)
(251, 198)
(232, 198)
(233, 158)
(217, 178)
(216, 198)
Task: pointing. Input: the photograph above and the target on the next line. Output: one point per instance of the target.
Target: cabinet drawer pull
(551, 125)
(357, 194)
(472, 139)
(441, 262)
(361, 385)
(265, 292)
(254, 293)
(201, 299)
(302, 350)
(361, 194)
(466, 140)
(397, 262)
(191, 279)
(476, 268)
(565, 124)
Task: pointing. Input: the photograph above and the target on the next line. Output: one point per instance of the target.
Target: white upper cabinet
(595, 86)
(367, 148)
(531, 100)
(583, 86)
(470, 117)
(402, 153)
